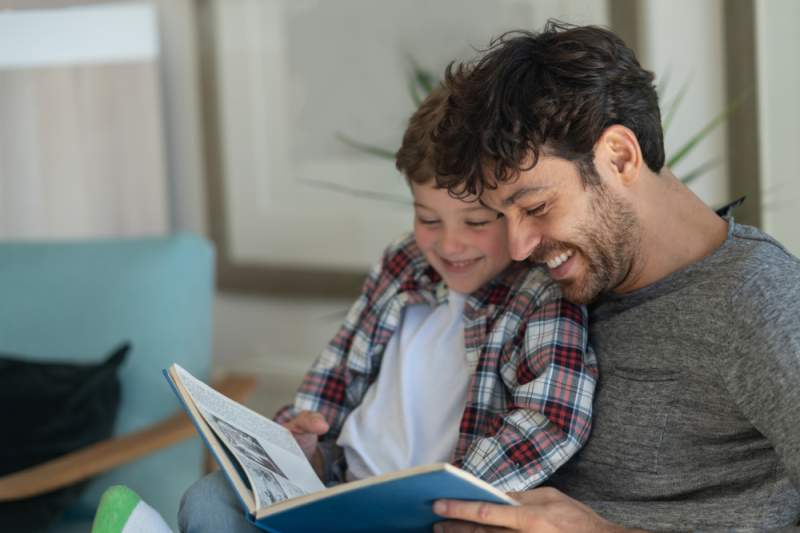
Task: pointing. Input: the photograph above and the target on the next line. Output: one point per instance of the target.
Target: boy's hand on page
(306, 429)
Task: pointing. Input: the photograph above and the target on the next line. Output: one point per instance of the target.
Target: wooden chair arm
(110, 453)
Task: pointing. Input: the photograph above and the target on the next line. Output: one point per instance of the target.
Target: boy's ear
(618, 155)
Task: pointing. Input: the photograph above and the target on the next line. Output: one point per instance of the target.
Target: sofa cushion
(48, 410)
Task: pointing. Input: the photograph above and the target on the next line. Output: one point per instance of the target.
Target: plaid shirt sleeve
(324, 388)
(553, 370)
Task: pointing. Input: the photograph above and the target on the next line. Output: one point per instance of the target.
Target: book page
(272, 460)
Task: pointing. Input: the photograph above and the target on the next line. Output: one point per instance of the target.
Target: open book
(280, 491)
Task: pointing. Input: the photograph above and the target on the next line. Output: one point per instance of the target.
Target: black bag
(48, 410)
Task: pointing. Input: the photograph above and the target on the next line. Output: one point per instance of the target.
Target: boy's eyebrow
(473, 207)
(476, 206)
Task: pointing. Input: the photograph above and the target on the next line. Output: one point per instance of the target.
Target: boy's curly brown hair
(415, 158)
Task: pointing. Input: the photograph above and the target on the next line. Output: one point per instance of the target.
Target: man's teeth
(556, 261)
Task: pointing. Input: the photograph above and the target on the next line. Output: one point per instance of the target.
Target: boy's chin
(464, 286)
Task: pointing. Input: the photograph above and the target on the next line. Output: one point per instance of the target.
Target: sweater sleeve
(763, 372)
(550, 408)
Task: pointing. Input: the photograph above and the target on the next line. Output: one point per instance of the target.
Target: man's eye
(535, 211)
(500, 215)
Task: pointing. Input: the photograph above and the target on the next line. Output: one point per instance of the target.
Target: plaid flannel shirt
(529, 406)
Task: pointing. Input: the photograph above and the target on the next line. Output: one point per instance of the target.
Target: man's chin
(578, 293)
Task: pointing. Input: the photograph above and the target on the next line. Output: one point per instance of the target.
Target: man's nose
(522, 241)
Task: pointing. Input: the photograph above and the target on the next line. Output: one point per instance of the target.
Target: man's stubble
(608, 241)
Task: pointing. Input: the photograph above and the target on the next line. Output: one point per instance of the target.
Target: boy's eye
(535, 211)
(477, 223)
(427, 222)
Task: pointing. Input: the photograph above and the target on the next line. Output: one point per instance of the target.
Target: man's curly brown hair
(547, 93)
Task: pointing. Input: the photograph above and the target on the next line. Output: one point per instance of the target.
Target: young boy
(452, 353)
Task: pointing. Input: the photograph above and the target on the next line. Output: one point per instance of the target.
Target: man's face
(464, 241)
(587, 237)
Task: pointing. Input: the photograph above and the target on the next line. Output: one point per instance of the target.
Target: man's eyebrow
(520, 194)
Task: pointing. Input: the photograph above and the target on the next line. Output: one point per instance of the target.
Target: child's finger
(310, 422)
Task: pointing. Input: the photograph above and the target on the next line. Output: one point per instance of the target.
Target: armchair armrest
(110, 453)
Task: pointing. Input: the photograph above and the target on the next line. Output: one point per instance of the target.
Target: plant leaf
(358, 193)
(412, 87)
(338, 316)
(699, 171)
(661, 89)
(374, 150)
(674, 104)
(421, 76)
(716, 121)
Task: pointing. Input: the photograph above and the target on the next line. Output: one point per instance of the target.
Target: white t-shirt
(410, 415)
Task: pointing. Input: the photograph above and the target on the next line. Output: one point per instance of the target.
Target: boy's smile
(463, 241)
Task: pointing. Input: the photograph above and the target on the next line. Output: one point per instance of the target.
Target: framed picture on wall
(289, 87)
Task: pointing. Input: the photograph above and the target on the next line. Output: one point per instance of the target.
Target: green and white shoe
(122, 511)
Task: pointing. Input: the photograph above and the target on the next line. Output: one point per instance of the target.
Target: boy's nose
(451, 243)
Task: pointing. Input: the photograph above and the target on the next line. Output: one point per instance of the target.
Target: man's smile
(554, 262)
(560, 266)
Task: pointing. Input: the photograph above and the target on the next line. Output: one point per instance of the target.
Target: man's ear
(618, 154)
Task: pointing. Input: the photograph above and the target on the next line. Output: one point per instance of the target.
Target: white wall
(273, 334)
(686, 37)
(778, 59)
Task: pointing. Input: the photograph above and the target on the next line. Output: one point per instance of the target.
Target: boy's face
(464, 241)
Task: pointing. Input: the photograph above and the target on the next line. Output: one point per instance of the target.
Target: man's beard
(608, 241)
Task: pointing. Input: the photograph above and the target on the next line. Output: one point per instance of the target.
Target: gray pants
(211, 506)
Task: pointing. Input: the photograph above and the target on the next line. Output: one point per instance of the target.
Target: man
(695, 319)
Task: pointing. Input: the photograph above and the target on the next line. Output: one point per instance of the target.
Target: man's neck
(678, 230)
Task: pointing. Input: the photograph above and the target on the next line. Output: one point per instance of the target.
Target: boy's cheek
(423, 237)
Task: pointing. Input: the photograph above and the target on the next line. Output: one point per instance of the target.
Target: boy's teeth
(556, 261)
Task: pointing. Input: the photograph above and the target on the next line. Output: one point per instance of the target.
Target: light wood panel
(81, 152)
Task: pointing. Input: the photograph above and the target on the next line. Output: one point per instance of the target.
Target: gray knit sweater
(696, 423)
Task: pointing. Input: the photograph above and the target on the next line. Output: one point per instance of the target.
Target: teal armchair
(73, 302)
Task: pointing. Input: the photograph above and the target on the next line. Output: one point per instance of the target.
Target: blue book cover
(399, 501)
